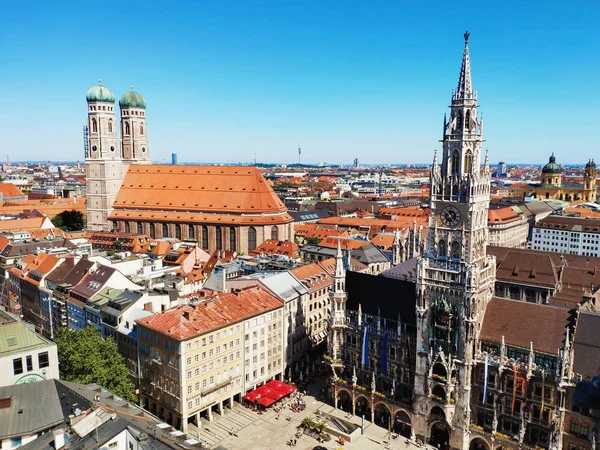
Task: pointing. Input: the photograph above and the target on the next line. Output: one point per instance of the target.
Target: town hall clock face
(450, 216)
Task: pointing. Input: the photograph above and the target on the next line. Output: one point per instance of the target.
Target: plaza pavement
(265, 431)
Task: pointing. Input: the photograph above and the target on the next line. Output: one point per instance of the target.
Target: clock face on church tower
(450, 216)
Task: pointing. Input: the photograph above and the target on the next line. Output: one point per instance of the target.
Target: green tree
(69, 220)
(84, 357)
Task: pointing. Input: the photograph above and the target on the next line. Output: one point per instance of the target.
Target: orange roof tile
(10, 190)
(313, 276)
(198, 189)
(30, 224)
(41, 265)
(185, 322)
(502, 215)
(349, 244)
(274, 247)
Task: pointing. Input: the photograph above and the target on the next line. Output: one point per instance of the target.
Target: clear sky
(225, 81)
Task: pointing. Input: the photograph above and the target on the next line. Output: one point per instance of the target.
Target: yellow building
(192, 356)
(553, 188)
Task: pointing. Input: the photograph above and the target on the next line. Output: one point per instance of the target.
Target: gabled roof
(198, 189)
(93, 282)
(33, 408)
(313, 276)
(587, 344)
(10, 190)
(521, 323)
(185, 322)
(41, 265)
(276, 247)
(369, 254)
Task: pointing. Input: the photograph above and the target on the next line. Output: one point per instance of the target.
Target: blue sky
(225, 81)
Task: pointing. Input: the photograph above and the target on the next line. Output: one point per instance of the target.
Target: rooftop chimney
(59, 439)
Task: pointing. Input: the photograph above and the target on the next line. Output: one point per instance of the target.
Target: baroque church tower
(455, 277)
(103, 162)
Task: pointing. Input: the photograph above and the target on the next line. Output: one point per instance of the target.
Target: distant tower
(355, 162)
(501, 169)
(134, 137)
(103, 163)
(589, 182)
(299, 153)
(174, 159)
(380, 182)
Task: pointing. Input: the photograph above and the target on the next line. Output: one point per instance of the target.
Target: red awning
(273, 390)
(266, 401)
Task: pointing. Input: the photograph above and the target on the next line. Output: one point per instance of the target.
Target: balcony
(207, 390)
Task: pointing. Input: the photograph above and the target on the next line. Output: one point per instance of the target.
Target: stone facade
(105, 161)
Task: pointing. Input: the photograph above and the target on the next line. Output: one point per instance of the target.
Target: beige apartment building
(318, 282)
(191, 357)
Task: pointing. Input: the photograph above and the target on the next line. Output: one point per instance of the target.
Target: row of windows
(126, 131)
(43, 361)
(101, 108)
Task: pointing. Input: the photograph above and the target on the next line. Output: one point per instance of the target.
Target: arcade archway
(478, 444)
(403, 424)
(344, 400)
(440, 436)
(383, 415)
(363, 407)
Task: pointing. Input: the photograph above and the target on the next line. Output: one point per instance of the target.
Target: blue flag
(485, 377)
(384, 354)
(365, 347)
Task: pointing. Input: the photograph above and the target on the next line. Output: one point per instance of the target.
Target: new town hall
(472, 346)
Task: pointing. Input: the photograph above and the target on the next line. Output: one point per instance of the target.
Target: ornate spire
(340, 271)
(465, 89)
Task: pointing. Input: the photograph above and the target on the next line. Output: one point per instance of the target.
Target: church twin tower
(106, 162)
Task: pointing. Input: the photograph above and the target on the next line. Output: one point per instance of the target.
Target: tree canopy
(84, 357)
(69, 220)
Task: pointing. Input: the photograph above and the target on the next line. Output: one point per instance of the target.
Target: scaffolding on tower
(85, 141)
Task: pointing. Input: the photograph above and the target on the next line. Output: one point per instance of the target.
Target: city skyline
(226, 83)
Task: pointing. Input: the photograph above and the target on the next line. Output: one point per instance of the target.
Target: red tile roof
(273, 247)
(198, 190)
(313, 276)
(185, 322)
(10, 190)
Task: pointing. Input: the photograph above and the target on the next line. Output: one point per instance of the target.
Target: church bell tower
(103, 163)
(455, 277)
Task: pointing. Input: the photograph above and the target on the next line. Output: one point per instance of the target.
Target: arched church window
(205, 238)
(455, 162)
(141, 128)
(139, 228)
(468, 120)
(191, 232)
(178, 231)
(127, 131)
(455, 250)
(232, 239)
(110, 126)
(468, 161)
(442, 249)
(251, 239)
(127, 227)
(152, 231)
(143, 149)
(275, 233)
(165, 230)
(94, 126)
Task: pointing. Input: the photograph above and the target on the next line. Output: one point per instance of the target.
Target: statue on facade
(373, 382)
(354, 377)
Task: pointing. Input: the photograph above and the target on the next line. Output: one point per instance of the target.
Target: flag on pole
(543, 389)
(365, 347)
(514, 387)
(384, 354)
(485, 377)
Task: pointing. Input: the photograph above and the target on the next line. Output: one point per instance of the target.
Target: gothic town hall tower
(455, 276)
